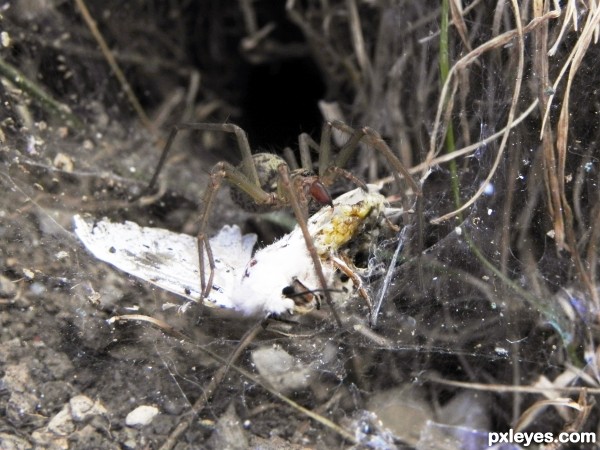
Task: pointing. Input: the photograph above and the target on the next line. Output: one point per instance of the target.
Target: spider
(265, 181)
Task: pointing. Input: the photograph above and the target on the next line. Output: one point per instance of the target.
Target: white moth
(251, 284)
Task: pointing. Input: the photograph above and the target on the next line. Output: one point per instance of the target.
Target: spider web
(488, 298)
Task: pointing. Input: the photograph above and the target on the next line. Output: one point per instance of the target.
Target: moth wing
(169, 260)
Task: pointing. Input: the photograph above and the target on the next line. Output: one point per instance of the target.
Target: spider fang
(319, 192)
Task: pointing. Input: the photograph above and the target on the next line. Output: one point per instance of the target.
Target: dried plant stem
(502, 388)
(114, 65)
(358, 41)
(216, 380)
(581, 47)
(465, 150)
(465, 61)
(511, 115)
(52, 106)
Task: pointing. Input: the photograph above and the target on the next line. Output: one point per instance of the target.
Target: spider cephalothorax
(311, 187)
(305, 182)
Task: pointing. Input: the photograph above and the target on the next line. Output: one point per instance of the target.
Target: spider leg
(325, 149)
(216, 177)
(326, 172)
(379, 144)
(340, 264)
(245, 178)
(376, 141)
(333, 172)
(247, 166)
(305, 143)
(284, 179)
(290, 158)
(348, 149)
(222, 170)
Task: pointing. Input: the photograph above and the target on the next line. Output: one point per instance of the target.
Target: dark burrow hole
(280, 102)
(275, 93)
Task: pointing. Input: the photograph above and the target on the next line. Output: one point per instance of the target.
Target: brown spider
(265, 181)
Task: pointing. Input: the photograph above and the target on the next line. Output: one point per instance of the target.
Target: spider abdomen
(267, 169)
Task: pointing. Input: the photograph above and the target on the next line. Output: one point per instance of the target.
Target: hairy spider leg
(289, 156)
(220, 171)
(323, 149)
(305, 143)
(310, 245)
(349, 148)
(334, 172)
(247, 166)
(246, 178)
(375, 140)
(328, 172)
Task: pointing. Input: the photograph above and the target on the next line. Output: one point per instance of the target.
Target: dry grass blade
(503, 388)
(577, 424)
(581, 47)
(532, 412)
(459, 22)
(114, 65)
(469, 149)
(555, 162)
(511, 114)
(540, 60)
(570, 16)
(358, 40)
(151, 320)
(463, 63)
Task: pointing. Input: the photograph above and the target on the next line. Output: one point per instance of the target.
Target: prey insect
(276, 279)
(265, 181)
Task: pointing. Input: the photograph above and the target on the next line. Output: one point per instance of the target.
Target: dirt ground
(488, 319)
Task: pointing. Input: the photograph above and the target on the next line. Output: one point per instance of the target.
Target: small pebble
(141, 416)
(8, 289)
